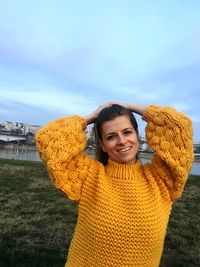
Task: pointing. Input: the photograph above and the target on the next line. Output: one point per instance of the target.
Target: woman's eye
(110, 137)
(128, 132)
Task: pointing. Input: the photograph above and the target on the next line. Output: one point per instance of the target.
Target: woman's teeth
(124, 149)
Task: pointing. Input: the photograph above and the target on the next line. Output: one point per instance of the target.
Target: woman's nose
(121, 139)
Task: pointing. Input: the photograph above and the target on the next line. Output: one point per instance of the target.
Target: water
(195, 166)
(31, 154)
(19, 153)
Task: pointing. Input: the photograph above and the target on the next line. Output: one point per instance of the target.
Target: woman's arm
(169, 133)
(60, 144)
(136, 108)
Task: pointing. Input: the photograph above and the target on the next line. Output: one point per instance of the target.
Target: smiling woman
(124, 206)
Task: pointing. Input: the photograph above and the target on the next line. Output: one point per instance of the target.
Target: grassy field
(37, 221)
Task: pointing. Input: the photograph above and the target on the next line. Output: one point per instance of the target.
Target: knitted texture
(123, 208)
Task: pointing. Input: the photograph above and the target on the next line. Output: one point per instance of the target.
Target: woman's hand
(91, 118)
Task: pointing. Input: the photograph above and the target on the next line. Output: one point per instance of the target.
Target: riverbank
(37, 221)
(30, 153)
(150, 155)
(15, 146)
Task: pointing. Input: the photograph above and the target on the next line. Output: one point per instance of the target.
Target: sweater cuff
(150, 112)
(81, 120)
(75, 118)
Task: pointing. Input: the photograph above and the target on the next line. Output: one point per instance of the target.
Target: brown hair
(105, 115)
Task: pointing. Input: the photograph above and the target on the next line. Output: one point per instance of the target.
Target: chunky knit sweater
(123, 208)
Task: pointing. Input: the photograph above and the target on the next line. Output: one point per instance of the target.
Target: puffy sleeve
(60, 144)
(169, 133)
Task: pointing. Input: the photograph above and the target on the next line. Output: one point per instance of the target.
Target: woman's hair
(108, 114)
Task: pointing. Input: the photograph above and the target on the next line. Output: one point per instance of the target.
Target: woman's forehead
(117, 124)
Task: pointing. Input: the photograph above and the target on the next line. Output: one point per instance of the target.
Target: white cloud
(139, 93)
(49, 98)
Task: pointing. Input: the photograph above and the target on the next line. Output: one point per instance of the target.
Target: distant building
(24, 128)
(9, 126)
(32, 129)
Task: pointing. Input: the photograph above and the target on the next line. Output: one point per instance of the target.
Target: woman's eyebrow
(129, 128)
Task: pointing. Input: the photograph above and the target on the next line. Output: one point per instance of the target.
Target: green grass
(182, 244)
(37, 221)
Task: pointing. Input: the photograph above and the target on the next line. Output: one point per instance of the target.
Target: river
(32, 154)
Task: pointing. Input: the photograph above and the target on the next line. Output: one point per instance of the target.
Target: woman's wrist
(89, 118)
(137, 108)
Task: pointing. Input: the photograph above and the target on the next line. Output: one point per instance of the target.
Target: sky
(60, 58)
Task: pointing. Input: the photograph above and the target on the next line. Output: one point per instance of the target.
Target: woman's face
(120, 140)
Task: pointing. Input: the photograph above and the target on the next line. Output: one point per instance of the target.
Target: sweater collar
(122, 170)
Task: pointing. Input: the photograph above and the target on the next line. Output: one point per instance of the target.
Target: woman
(124, 207)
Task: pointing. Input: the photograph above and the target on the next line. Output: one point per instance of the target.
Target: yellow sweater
(123, 208)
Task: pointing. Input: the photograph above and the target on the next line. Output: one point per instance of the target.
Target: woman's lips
(125, 149)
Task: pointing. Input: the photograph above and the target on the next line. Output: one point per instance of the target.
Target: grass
(37, 221)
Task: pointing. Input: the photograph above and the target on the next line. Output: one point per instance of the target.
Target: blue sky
(59, 58)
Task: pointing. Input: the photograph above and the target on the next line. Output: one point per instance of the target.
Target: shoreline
(144, 155)
(147, 155)
(20, 147)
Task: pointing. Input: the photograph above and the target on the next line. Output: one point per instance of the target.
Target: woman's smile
(125, 149)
